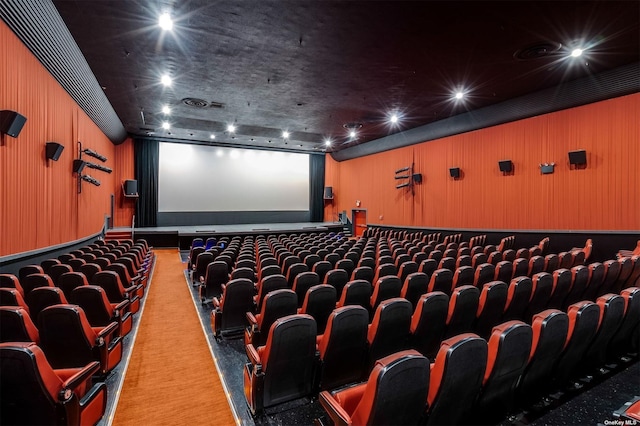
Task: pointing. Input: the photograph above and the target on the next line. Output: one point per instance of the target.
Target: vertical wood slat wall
(39, 203)
(603, 196)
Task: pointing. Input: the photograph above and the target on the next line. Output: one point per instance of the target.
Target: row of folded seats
(60, 339)
(512, 368)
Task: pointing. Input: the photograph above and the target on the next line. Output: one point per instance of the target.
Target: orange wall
(604, 196)
(39, 202)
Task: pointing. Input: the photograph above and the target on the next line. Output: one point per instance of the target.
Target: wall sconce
(547, 168)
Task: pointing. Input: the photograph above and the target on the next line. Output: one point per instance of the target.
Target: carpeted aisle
(171, 378)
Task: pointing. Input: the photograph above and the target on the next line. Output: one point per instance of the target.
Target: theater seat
(69, 341)
(611, 273)
(34, 393)
(518, 298)
(267, 285)
(441, 280)
(34, 281)
(579, 282)
(428, 323)
(509, 348)
(504, 271)
(43, 297)
(596, 277)
(56, 271)
(415, 285)
(456, 378)
(428, 266)
(484, 273)
(116, 293)
(541, 289)
(319, 302)
(303, 282)
(611, 315)
(550, 330)
(343, 347)
(12, 297)
(583, 325)
(356, 292)
(520, 267)
(386, 287)
(27, 270)
(68, 281)
(283, 369)
(493, 299)
(11, 281)
(16, 325)
(461, 315)
(276, 304)
(337, 278)
(99, 311)
(621, 341)
(211, 285)
(389, 329)
(394, 394)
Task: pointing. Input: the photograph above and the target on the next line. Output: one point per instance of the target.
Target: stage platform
(181, 236)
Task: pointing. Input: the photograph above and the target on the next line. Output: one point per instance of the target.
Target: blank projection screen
(195, 178)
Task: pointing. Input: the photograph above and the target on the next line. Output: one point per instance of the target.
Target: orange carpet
(171, 378)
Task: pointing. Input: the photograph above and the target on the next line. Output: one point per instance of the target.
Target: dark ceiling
(314, 67)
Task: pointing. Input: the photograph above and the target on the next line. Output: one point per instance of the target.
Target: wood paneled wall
(39, 202)
(603, 196)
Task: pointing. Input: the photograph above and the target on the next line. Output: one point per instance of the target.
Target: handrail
(133, 221)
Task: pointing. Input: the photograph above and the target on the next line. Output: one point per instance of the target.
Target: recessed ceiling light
(352, 134)
(393, 118)
(165, 22)
(166, 109)
(219, 153)
(285, 134)
(576, 52)
(212, 136)
(165, 80)
(166, 125)
(231, 128)
(327, 142)
(459, 95)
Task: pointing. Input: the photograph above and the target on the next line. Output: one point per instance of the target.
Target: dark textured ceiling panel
(313, 67)
(40, 27)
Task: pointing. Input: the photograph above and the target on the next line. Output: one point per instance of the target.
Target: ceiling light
(327, 142)
(352, 134)
(393, 118)
(459, 95)
(212, 136)
(166, 109)
(166, 125)
(165, 22)
(285, 134)
(219, 153)
(576, 52)
(231, 128)
(165, 80)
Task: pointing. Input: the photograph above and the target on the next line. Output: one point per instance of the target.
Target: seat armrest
(81, 376)
(252, 319)
(337, 414)
(215, 302)
(222, 287)
(131, 289)
(252, 353)
(120, 307)
(108, 330)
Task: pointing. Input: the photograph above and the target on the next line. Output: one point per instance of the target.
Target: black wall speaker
(578, 158)
(11, 123)
(454, 172)
(130, 187)
(54, 149)
(78, 165)
(328, 192)
(506, 166)
(417, 177)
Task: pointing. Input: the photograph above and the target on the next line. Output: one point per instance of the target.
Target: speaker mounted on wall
(11, 123)
(54, 150)
(578, 158)
(417, 177)
(506, 166)
(328, 193)
(78, 165)
(454, 172)
(130, 188)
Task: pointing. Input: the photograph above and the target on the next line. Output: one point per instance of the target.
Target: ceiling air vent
(537, 50)
(201, 103)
